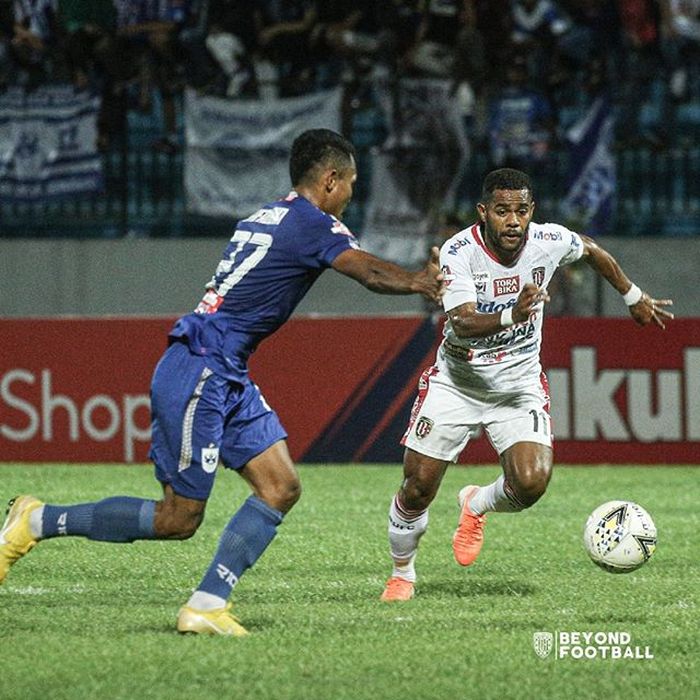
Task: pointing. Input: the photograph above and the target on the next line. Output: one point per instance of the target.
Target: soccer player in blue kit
(205, 408)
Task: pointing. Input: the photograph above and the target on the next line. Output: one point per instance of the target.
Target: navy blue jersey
(270, 263)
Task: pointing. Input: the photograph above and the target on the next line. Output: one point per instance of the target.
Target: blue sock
(118, 519)
(242, 543)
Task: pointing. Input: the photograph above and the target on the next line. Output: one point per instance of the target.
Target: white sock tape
(507, 317)
(632, 296)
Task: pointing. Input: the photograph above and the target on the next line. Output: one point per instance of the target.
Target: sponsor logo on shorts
(423, 427)
(210, 458)
(506, 285)
(538, 276)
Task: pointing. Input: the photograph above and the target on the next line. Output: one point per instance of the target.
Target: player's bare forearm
(642, 307)
(467, 322)
(605, 265)
(384, 277)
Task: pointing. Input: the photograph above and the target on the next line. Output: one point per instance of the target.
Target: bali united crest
(542, 643)
(423, 427)
(538, 276)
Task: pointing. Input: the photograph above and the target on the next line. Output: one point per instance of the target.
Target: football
(619, 536)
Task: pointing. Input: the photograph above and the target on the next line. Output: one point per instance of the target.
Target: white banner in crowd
(237, 154)
(416, 172)
(48, 143)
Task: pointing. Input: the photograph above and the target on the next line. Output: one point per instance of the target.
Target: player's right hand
(530, 301)
(434, 278)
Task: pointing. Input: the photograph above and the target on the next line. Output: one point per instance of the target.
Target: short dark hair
(505, 179)
(318, 147)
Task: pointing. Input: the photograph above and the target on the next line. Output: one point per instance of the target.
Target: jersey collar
(479, 238)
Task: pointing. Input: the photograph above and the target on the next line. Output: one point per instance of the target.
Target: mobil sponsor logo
(547, 235)
(33, 410)
(459, 243)
(625, 405)
(506, 285)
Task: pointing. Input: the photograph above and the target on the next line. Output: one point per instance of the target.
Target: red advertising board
(76, 390)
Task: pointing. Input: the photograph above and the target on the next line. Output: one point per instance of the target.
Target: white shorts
(444, 417)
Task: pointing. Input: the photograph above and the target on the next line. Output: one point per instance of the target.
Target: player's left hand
(648, 310)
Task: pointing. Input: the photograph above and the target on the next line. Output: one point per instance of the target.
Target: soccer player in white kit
(488, 373)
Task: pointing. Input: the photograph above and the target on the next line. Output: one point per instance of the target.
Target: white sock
(200, 600)
(406, 527)
(493, 499)
(36, 522)
(405, 571)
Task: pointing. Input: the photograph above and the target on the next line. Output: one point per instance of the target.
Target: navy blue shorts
(199, 418)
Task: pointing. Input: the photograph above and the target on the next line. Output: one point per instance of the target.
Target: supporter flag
(591, 187)
(416, 171)
(48, 144)
(237, 151)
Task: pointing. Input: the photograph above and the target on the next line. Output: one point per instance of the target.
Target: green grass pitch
(90, 620)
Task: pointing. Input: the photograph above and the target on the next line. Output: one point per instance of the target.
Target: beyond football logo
(588, 645)
(542, 642)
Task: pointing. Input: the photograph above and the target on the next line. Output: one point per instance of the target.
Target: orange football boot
(397, 589)
(469, 535)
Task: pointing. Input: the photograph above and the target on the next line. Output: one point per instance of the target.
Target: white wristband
(632, 296)
(507, 317)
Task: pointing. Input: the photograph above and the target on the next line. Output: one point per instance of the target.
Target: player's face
(341, 194)
(506, 217)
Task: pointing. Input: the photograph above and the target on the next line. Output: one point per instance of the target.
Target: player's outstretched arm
(387, 278)
(643, 308)
(467, 322)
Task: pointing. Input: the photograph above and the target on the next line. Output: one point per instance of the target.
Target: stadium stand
(640, 54)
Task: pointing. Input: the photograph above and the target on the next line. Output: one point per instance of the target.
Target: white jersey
(508, 360)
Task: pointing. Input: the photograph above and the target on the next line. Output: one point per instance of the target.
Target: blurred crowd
(516, 67)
